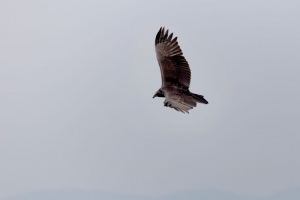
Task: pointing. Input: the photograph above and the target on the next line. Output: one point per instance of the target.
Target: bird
(175, 74)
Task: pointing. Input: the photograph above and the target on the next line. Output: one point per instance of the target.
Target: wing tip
(162, 35)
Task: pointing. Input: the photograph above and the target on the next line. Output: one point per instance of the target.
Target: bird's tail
(199, 98)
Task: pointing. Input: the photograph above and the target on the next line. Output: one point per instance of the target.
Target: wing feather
(179, 106)
(174, 67)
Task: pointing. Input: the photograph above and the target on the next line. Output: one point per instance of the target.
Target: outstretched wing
(173, 66)
(180, 102)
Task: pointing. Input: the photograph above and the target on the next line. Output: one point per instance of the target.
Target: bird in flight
(175, 74)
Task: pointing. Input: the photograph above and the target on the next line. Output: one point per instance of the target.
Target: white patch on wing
(179, 106)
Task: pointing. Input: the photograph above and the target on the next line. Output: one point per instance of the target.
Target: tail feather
(199, 98)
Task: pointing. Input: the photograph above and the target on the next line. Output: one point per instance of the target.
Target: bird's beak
(154, 96)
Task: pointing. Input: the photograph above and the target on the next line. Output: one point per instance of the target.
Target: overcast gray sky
(76, 86)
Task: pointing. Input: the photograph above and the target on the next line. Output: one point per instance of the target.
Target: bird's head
(159, 93)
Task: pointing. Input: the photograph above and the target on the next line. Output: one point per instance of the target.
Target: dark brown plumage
(175, 74)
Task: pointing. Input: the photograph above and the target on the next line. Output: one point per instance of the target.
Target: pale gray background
(76, 108)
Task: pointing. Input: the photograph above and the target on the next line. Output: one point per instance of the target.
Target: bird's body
(175, 74)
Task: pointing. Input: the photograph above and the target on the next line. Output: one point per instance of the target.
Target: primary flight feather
(175, 74)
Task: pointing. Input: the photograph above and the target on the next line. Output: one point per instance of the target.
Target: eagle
(175, 74)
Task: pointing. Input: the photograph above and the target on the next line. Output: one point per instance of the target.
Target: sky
(76, 86)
